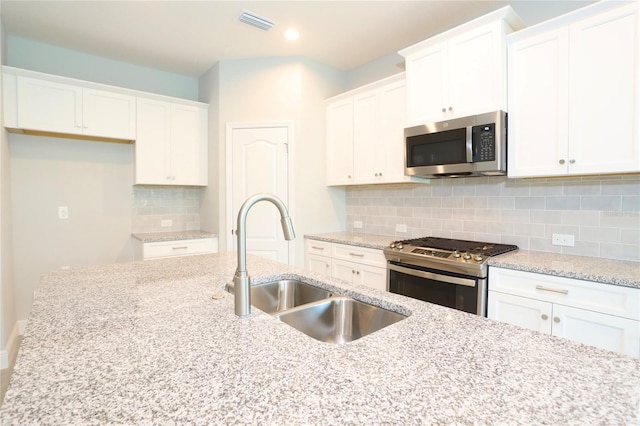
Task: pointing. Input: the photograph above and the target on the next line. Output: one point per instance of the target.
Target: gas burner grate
(486, 249)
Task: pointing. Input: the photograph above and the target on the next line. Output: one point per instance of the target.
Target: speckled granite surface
(152, 237)
(145, 343)
(608, 271)
(355, 239)
(616, 272)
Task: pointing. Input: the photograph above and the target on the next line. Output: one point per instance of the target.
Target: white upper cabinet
(340, 142)
(171, 144)
(460, 72)
(574, 94)
(53, 107)
(365, 134)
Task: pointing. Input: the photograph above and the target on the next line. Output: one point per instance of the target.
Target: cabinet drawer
(364, 255)
(178, 248)
(605, 298)
(320, 248)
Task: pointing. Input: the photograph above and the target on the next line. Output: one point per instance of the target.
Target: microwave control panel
(484, 142)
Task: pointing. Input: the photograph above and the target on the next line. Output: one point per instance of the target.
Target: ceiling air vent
(255, 21)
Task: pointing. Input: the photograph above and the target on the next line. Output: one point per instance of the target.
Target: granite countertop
(607, 271)
(146, 343)
(152, 237)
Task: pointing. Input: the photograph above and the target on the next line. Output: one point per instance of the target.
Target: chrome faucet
(241, 289)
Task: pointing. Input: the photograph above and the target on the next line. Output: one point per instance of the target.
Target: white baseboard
(12, 348)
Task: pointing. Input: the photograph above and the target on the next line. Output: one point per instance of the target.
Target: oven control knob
(433, 252)
(400, 246)
(467, 256)
(392, 245)
(456, 254)
(478, 258)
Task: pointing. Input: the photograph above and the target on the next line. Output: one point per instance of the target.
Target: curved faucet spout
(242, 292)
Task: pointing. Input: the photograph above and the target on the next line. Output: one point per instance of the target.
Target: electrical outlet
(166, 222)
(63, 212)
(357, 224)
(401, 227)
(566, 240)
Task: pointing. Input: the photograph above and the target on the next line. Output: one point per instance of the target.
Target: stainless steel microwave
(466, 146)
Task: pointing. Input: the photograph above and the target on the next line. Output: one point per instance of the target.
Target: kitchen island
(157, 342)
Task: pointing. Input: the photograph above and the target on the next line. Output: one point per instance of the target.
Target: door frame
(229, 219)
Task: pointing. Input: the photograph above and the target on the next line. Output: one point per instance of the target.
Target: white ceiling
(188, 37)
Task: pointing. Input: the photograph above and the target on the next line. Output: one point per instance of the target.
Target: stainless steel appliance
(467, 146)
(443, 271)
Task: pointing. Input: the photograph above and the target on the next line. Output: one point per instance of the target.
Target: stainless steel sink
(281, 295)
(338, 319)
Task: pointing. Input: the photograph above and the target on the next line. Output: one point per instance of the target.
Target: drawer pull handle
(180, 248)
(317, 248)
(555, 290)
(356, 254)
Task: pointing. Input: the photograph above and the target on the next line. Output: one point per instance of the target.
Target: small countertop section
(607, 271)
(154, 237)
(159, 343)
(355, 239)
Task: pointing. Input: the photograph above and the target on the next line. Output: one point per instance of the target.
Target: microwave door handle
(469, 144)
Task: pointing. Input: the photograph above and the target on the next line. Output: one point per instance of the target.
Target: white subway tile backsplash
(603, 213)
(151, 205)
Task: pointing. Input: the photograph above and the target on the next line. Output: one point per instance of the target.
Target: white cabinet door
(476, 71)
(538, 105)
(373, 277)
(188, 145)
(49, 106)
(616, 334)
(318, 264)
(171, 144)
(604, 93)
(109, 115)
(340, 142)
(521, 311)
(344, 270)
(390, 142)
(426, 79)
(574, 96)
(152, 165)
(365, 136)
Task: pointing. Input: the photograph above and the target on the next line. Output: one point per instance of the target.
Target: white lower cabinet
(601, 315)
(175, 248)
(355, 264)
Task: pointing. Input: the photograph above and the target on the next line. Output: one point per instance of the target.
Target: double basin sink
(320, 314)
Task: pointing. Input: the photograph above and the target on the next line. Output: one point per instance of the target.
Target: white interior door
(260, 164)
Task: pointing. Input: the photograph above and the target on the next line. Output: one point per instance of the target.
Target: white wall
(8, 327)
(35, 56)
(280, 89)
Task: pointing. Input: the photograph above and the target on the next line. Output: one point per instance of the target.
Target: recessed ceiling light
(291, 34)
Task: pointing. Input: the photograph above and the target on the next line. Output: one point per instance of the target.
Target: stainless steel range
(447, 272)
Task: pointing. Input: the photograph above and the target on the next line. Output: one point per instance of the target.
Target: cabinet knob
(561, 161)
(556, 319)
(353, 272)
(326, 265)
(444, 110)
(572, 161)
(348, 176)
(380, 174)
(357, 272)
(450, 108)
(545, 317)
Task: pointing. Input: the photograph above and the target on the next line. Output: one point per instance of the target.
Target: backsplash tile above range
(603, 213)
(179, 206)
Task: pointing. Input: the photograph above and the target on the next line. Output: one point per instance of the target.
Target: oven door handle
(432, 276)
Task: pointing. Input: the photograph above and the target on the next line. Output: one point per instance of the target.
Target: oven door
(461, 292)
